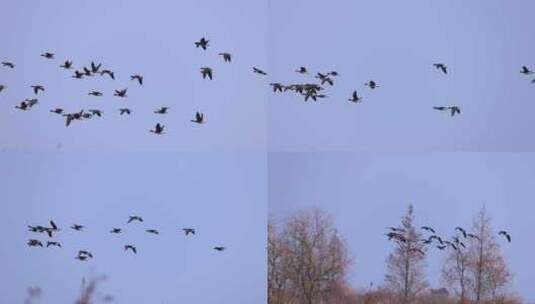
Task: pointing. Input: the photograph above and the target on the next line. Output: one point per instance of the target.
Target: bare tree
(487, 266)
(405, 266)
(313, 258)
(455, 272)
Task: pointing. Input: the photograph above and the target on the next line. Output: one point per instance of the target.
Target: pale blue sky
(222, 195)
(484, 43)
(155, 40)
(366, 193)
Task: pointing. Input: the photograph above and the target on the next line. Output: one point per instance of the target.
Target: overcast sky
(366, 193)
(223, 196)
(135, 37)
(484, 43)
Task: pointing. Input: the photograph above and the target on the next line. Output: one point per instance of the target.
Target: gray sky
(156, 41)
(366, 193)
(484, 43)
(222, 195)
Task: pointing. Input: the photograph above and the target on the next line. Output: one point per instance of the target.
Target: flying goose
(77, 227)
(355, 97)
(276, 87)
(302, 70)
(2, 87)
(48, 55)
(203, 43)
(506, 235)
(125, 111)
(442, 67)
(199, 118)
(52, 243)
(95, 93)
(372, 84)
(110, 73)
(461, 230)
(158, 129)
(8, 64)
(120, 93)
(131, 247)
(78, 75)
(34, 243)
(116, 230)
(453, 109)
(37, 88)
(220, 248)
(95, 68)
(227, 57)
(162, 110)
(66, 65)
(96, 112)
(187, 231)
(427, 228)
(134, 218)
(526, 71)
(206, 72)
(139, 78)
(258, 71)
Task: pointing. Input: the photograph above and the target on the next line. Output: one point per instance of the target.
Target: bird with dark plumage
(227, 57)
(162, 110)
(153, 231)
(131, 247)
(96, 112)
(2, 87)
(125, 111)
(120, 93)
(453, 109)
(48, 55)
(57, 111)
(52, 243)
(95, 68)
(134, 218)
(34, 243)
(66, 65)
(427, 228)
(8, 64)
(302, 70)
(137, 77)
(355, 97)
(372, 84)
(203, 43)
(220, 248)
(526, 71)
(199, 118)
(277, 87)
(95, 93)
(116, 230)
(506, 235)
(258, 71)
(206, 72)
(442, 67)
(37, 88)
(109, 73)
(77, 227)
(158, 129)
(188, 231)
(78, 75)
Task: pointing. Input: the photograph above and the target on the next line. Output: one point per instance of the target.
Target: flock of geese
(399, 235)
(84, 255)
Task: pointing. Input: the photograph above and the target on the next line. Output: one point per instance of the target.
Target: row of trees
(308, 262)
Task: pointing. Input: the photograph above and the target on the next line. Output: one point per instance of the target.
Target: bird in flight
(277, 87)
(355, 97)
(153, 231)
(442, 67)
(187, 231)
(120, 93)
(77, 227)
(48, 55)
(78, 75)
(220, 248)
(95, 93)
(427, 228)
(227, 57)
(66, 65)
(109, 73)
(37, 88)
(73, 116)
(139, 78)
(199, 118)
(116, 230)
(324, 78)
(8, 64)
(34, 243)
(526, 71)
(131, 247)
(302, 70)
(162, 110)
(134, 218)
(258, 71)
(2, 87)
(52, 243)
(95, 67)
(206, 72)
(372, 84)
(57, 111)
(506, 235)
(124, 111)
(203, 43)
(453, 109)
(96, 112)
(158, 129)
